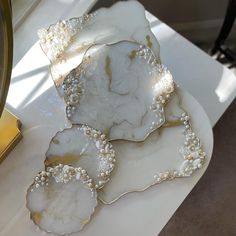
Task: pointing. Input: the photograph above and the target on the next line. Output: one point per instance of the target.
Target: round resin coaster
(85, 147)
(61, 200)
(119, 89)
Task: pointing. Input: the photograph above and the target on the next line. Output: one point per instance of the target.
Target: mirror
(6, 50)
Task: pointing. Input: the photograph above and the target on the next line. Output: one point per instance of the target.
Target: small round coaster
(83, 146)
(62, 199)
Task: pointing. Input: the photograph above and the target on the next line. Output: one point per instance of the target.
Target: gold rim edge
(7, 52)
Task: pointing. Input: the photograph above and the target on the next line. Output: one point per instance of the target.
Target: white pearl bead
(42, 178)
(199, 166)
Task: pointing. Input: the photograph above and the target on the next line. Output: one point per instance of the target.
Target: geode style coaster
(120, 89)
(62, 199)
(173, 151)
(85, 147)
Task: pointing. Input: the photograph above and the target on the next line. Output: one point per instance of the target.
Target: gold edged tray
(10, 133)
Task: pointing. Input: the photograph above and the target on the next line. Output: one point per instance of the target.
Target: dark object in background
(227, 26)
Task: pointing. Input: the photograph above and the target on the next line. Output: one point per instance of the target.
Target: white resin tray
(133, 213)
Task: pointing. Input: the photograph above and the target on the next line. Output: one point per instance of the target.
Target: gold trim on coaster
(10, 133)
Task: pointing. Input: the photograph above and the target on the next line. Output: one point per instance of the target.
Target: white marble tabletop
(213, 85)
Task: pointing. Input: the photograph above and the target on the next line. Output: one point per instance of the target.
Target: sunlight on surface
(151, 18)
(164, 84)
(159, 28)
(226, 87)
(29, 78)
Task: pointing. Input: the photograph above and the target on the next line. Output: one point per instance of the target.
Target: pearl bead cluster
(41, 179)
(62, 174)
(158, 106)
(73, 90)
(106, 154)
(146, 53)
(65, 173)
(57, 37)
(165, 82)
(160, 115)
(164, 85)
(163, 89)
(191, 151)
(162, 95)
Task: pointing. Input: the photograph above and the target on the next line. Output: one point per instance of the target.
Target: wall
(197, 20)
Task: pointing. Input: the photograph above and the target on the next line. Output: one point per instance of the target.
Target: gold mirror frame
(6, 50)
(10, 133)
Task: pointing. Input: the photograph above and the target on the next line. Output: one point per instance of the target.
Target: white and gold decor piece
(85, 147)
(120, 89)
(65, 41)
(173, 151)
(130, 125)
(61, 199)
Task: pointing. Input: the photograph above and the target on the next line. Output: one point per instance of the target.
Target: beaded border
(73, 89)
(192, 153)
(58, 36)
(106, 152)
(62, 174)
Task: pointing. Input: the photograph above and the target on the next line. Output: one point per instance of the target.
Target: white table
(213, 85)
